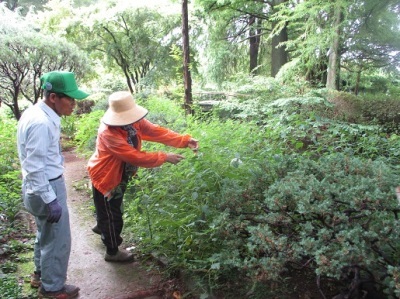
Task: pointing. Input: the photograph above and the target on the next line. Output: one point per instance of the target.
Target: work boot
(96, 230)
(122, 256)
(67, 292)
(35, 279)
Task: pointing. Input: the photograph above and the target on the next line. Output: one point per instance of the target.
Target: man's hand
(174, 158)
(55, 211)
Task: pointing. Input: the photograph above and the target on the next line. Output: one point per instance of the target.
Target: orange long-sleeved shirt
(106, 165)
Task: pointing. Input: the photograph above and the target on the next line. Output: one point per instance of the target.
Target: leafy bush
(258, 87)
(68, 125)
(10, 200)
(164, 112)
(101, 103)
(249, 204)
(10, 194)
(333, 214)
(180, 196)
(384, 110)
(9, 287)
(86, 133)
(10, 180)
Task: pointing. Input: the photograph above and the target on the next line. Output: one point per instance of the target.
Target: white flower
(236, 162)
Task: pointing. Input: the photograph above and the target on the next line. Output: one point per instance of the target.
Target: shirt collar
(51, 113)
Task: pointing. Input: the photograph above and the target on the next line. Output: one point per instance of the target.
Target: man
(117, 157)
(43, 187)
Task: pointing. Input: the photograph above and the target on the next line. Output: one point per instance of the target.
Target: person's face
(63, 104)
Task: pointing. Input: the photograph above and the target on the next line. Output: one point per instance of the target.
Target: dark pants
(109, 216)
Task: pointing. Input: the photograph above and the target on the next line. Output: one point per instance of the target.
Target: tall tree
(25, 55)
(377, 46)
(334, 51)
(279, 54)
(340, 33)
(132, 41)
(24, 5)
(254, 40)
(249, 20)
(187, 78)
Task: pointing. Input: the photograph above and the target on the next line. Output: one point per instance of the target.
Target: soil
(97, 278)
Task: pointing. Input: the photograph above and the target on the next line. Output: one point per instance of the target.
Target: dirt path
(96, 278)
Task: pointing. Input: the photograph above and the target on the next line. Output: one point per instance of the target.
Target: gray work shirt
(39, 151)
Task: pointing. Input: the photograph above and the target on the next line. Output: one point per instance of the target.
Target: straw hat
(123, 110)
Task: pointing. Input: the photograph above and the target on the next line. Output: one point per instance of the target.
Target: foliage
(338, 212)
(249, 204)
(9, 287)
(368, 39)
(184, 202)
(25, 55)
(10, 181)
(86, 132)
(10, 187)
(164, 112)
(230, 28)
(68, 125)
(24, 6)
(108, 83)
(285, 178)
(10, 206)
(133, 42)
(384, 110)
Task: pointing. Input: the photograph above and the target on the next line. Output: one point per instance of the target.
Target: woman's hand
(174, 158)
(193, 144)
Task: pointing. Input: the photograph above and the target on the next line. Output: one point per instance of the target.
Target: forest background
(296, 106)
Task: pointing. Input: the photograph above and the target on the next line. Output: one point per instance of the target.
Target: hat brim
(77, 94)
(130, 116)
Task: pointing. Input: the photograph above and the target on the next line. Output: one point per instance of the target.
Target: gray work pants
(53, 240)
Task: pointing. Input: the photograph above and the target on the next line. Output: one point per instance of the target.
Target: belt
(56, 178)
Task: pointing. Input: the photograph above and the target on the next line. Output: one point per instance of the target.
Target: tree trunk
(358, 79)
(254, 39)
(334, 56)
(279, 55)
(186, 58)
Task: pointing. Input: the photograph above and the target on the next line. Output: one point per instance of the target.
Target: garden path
(96, 278)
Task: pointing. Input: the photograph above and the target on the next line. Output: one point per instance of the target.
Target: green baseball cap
(62, 82)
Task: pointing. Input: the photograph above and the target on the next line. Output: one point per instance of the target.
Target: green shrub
(101, 103)
(68, 125)
(86, 132)
(384, 110)
(9, 287)
(335, 213)
(10, 203)
(164, 112)
(220, 212)
(10, 178)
